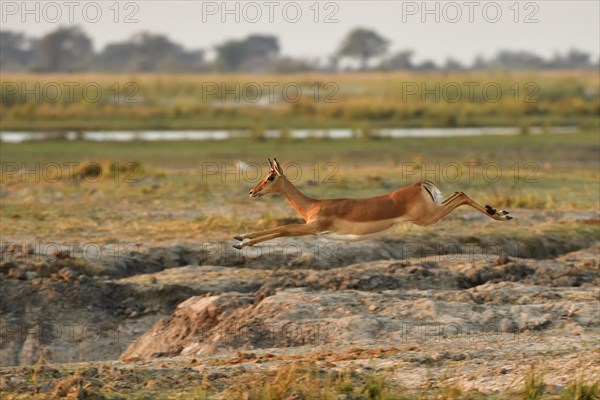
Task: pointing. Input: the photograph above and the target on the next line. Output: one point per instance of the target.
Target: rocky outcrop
(71, 316)
(189, 325)
(387, 301)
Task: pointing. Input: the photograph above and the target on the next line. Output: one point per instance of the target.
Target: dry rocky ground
(168, 319)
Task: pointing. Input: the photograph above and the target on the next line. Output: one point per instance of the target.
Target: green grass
(533, 385)
(347, 100)
(579, 389)
(170, 193)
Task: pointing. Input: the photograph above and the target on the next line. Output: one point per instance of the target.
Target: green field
(192, 191)
(82, 102)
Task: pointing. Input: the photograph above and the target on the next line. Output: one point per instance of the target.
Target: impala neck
(297, 199)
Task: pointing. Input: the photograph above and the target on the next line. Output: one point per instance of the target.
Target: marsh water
(148, 135)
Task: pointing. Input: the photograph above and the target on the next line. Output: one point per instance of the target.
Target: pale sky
(464, 29)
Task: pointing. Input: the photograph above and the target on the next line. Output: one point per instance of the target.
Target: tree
(480, 63)
(574, 59)
(578, 59)
(402, 60)
(17, 51)
(154, 52)
(193, 60)
(453, 65)
(257, 50)
(65, 49)
(230, 55)
(363, 44)
(261, 46)
(293, 65)
(426, 65)
(516, 60)
(117, 57)
(149, 52)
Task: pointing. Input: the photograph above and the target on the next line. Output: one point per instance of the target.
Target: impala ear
(277, 168)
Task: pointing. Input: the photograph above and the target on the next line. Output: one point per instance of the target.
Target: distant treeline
(71, 50)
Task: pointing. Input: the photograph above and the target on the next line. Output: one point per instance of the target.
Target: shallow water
(128, 136)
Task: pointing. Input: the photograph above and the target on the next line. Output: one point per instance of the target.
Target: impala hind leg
(462, 199)
(282, 231)
(458, 199)
(451, 197)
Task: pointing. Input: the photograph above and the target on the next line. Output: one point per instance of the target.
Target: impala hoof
(500, 215)
(238, 237)
(237, 246)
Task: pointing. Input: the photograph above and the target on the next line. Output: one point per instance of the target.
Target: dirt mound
(410, 320)
(70, 316)
(386, 300)
(68, 319)
(173, 336)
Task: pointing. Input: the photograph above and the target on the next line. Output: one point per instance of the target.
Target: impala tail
(433, 191)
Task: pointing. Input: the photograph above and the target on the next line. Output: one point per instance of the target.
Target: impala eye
(270, 178)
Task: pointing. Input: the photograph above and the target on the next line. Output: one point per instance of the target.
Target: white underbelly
(352, 237)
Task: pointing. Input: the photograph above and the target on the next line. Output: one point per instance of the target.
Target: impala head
(272, 183)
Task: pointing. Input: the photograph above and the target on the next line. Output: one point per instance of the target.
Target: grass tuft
(534, 385)
(580, 390)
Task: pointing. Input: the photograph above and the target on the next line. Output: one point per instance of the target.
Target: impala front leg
(253, 235)
(282, 231)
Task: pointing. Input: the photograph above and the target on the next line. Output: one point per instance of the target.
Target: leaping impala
(356, 219)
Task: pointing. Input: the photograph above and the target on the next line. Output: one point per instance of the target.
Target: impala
(356, 219)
